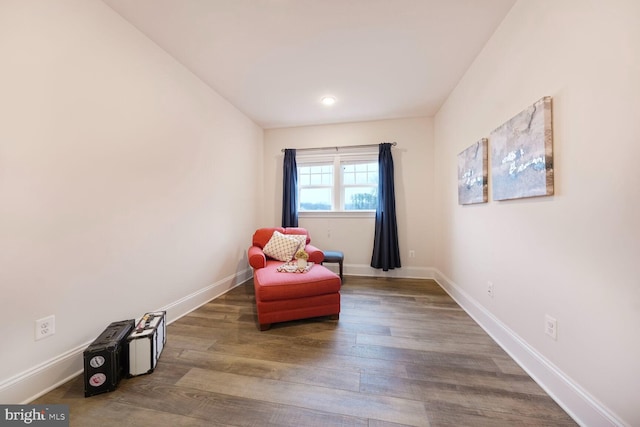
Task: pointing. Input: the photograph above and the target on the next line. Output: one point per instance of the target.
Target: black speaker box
(106, 360)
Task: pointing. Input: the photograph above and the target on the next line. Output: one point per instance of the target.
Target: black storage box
(106, 360)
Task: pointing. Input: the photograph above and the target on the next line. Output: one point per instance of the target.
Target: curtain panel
(289, 189)
(386, 250)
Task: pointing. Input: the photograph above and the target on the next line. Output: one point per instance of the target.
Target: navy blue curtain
(386, 251)
(290, 189)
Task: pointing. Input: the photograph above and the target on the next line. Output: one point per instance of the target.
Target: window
(315, 187)
(337, 183)
(360, 185)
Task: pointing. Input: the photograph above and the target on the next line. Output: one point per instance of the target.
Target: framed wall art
(472, 174)
(522, 154)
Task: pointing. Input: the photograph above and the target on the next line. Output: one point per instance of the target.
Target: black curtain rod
(337, 148)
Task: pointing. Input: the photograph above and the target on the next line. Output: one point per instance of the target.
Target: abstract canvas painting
(522, 154)
(472, 174)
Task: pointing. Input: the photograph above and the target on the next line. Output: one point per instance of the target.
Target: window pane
(348, 178)
(315, 175)
(360, 198)
(360, 173)
(315, 199)
(316, 179)
(373, 173)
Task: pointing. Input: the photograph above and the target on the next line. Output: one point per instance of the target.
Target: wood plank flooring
(402, 354)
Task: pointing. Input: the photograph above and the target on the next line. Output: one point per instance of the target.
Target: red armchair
(257, 258)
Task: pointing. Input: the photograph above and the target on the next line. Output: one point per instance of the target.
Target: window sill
(338, 214)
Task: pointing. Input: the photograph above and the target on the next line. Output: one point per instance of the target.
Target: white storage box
(146, 342)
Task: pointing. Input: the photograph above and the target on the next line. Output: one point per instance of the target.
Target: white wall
(413, 160)
(119, 183)
(575, 255)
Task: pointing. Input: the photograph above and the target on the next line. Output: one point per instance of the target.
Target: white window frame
(318, 162)
(336, 159)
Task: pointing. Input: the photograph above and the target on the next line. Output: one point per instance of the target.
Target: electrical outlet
(551, 326)
(45, 327)
(490, 289)
(412, 254)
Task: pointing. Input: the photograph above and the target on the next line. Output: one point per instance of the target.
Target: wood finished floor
(402, 354)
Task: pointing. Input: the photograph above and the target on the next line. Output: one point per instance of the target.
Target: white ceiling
(275, 59)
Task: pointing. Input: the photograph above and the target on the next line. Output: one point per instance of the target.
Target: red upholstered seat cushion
(274, 286)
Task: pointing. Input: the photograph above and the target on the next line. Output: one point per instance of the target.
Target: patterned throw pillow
(301, 238)
(281, 247)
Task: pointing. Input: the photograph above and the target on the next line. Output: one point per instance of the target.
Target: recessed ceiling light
(328, 100)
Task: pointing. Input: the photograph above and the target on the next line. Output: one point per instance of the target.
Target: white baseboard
(367, 270)
(33, 383)
(579, 404)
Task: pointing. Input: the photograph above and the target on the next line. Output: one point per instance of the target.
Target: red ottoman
(281, 296)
